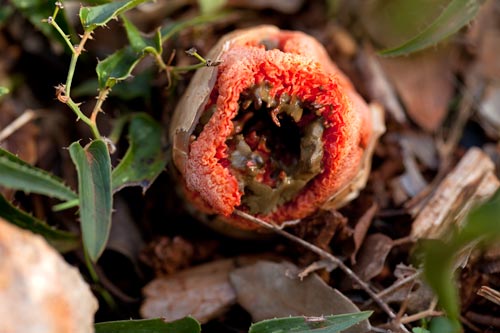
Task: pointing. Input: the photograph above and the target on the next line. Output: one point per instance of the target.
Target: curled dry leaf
(471, 182)
(268, 290)
(39, 291)
(276, 130)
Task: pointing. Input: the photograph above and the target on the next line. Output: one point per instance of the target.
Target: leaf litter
(422, 182)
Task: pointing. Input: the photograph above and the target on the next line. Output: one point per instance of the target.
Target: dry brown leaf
(203, 292)
(267, 290)
(39, 291)
(361, 229)
(371, 258)
(472, 181)
(425, 83)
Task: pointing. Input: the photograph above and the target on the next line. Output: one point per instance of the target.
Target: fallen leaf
(371, 258)
(203, 292)
(41, 292)
(425, 83)
(361, 229)
(268, 290)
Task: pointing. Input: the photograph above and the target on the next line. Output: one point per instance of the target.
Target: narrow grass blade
(454, 16)
(326, 324)
(61, 240)
(184, 325)
(19, 175)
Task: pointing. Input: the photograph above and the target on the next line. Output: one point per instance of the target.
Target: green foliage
(98, 16)
(141, 44)
(5, 12)
(93, 166)
(184, 325)
(61, 240)
(146, 156)
(211, 6)
(420, 330)
(116, 67)
(3, 91)
(481, 228)
(327, 324)
(453, 17)
(19, 175)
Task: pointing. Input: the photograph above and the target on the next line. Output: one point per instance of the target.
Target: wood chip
(39, 291)
(471, 182)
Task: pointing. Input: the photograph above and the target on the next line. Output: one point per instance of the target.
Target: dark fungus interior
(275, 148)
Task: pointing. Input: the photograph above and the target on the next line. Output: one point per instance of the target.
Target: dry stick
(19, 122)
(323, 254)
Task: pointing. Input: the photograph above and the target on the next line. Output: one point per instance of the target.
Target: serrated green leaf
(117, 67)
(19, 175)
(184, 325)
(97, 16)
(63, 241)
(3, 91)
(93, 166)
(326, 324)
(453, 17)
(146, 156)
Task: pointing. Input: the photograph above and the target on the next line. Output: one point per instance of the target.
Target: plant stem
(76, 109)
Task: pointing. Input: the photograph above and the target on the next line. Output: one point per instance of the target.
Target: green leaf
(168, 31)
(142, 44)
(211, 6)
(420, 330)
(5, 12)
(481, 228)
(184, 325)
(3, 91)
(454, 16)
(146, 156)
(93, 166)
(327, 324)
(19, 175)
(444, 325)
(117, 67)
(63, 241)
(97, 16)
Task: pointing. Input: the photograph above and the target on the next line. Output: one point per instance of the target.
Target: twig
(430, 312)
(323, 254)
(19, 122)
(485, 291)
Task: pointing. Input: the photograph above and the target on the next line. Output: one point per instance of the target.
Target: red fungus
(277, 129)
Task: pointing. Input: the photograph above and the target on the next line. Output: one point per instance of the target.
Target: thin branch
(19, 122)
(322, 253)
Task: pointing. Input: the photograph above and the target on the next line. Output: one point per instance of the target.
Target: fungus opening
(275, 149)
